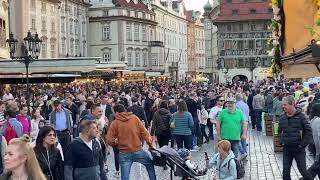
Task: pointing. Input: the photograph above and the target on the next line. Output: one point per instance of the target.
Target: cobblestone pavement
(262, 163)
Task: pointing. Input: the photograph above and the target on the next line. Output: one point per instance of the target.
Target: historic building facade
(4, 28)
(196, 44)
(171, 30)
(122, 33)
(242, 37)
(211, 44)
(61, 25)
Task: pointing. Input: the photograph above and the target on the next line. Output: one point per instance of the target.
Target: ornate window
(128, 32)
(107, 56)
(138, 57)
(106, 32)
(136, 32)
(129, 57)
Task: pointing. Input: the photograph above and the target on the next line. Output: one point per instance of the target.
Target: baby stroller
(170, 157)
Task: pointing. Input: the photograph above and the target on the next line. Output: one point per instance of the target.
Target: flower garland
(317, 2)
(276, 34)
(313, 29)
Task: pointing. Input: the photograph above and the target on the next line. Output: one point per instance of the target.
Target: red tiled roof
(243, 8)
(123, 3)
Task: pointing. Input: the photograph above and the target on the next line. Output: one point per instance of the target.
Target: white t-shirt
(7, 97)
(103, 107)
(89, 144)
(214, 113)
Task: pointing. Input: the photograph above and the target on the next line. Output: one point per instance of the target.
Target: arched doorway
(240, 78)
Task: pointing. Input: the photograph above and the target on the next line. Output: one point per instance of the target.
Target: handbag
(173, 122)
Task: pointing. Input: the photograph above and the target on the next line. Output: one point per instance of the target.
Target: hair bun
(25, 138)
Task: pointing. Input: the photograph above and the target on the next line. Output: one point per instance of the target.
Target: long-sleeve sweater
(82, 163)
(126, 132)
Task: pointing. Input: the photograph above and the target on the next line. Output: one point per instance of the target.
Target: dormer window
(136, 14)
(235, 12)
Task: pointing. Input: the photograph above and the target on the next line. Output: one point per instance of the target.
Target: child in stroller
(178, 165)
(185, 154)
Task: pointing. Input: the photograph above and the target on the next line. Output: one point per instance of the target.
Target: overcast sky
(195, 4)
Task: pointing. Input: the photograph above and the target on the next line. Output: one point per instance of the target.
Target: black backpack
(239, 166)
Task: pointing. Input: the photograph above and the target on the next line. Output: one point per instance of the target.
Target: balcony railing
(2, 38)
(156, 43)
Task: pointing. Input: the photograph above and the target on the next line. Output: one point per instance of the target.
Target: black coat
(56, 163)
(193, 106)
(108, 110)
(295, 131)
(148, 103)
(160, 122)
(138, 111)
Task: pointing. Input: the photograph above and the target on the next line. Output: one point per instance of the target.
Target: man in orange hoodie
(127, 132)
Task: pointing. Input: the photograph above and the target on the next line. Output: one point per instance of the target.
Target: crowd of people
(72, 129)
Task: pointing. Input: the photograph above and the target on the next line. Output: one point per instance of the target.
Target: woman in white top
(36, 117)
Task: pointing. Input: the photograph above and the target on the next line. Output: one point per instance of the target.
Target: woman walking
(160, 125)
(182, 124)
(48, 155)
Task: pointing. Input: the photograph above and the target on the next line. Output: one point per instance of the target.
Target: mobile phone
(206, 155)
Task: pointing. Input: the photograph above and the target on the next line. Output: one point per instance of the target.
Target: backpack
(239, 166)
(10, 132)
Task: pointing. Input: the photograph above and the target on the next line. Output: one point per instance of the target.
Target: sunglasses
(222, 100)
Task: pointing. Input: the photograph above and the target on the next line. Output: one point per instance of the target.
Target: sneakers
(116, 174)
(243, 156)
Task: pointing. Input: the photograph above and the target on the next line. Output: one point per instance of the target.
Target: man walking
(245, 110)
(210, 103)
(84, 159)
(296, 134)
(106, 106)
(229, 125)
(138, 110)
(258, 105)
(193, 106)
(73, 108)
(127, 132)
(61, 119)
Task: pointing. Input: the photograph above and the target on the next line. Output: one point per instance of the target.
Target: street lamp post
(29, 53)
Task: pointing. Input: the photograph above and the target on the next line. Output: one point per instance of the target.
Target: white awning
(148, 74)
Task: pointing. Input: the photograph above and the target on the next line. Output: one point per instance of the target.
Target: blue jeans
(235, 147)
(258, 116)
(126, 160)
(243, 146)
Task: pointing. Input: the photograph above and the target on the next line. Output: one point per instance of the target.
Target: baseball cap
(232, 99)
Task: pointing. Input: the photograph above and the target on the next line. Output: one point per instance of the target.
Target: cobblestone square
(262, 162)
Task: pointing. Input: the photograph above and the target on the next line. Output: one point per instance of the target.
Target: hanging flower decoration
(314, 28)
(317, 2)
(274, 40)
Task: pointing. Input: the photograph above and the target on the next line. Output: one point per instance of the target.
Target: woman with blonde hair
(223, 163)
(20, 161)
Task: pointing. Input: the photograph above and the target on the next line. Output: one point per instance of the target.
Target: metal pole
(27, 59)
